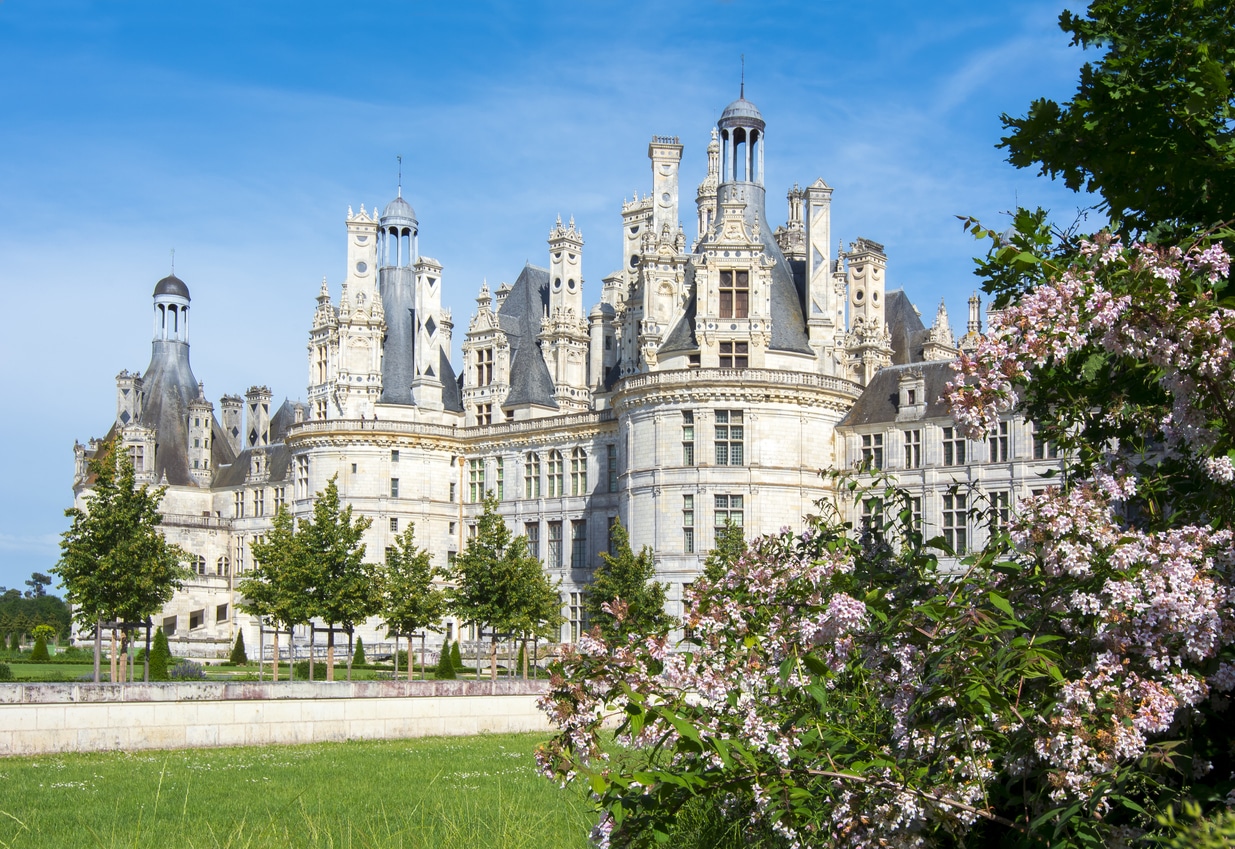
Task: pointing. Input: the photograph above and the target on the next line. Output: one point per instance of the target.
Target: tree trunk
(493, 658)
(351, 655)
(422, 654)
(124, 657)
(312, 645)
(396, 658)
(274, 676)
(114, 660)
(98, 649)
(525, 658)
(330, 654)
(146, 657)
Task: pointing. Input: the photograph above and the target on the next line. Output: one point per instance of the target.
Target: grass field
(473, 792)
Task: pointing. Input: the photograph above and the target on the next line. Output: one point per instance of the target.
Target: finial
(742, 90)
(400, 158)
(173, 260)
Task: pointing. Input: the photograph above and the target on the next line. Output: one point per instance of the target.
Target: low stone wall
(44, 718)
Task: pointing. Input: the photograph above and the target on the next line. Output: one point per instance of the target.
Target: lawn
(472, 792)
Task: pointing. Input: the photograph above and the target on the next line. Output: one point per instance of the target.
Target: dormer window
(484, 366)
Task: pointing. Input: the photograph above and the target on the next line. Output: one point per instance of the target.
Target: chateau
(717, 375)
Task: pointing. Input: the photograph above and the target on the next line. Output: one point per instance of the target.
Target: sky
(237, 133)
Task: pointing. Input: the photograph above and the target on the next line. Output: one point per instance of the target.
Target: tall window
(578, 472)
(688, 438)
(1042, 448)
(997, 443)
(729, 438)
(613, 468)
(475, 480)
(238, 504)
(688, 524)
(531, 530)
(913, 449)
(394, 455)
(872, 450)
(578, 543)
(953, 447)
(137, 456)
(531, 475)
(956, 521)
(280, 497)
(223, 566)
(484, 414)
(199, 565)
(259, 502)
(557, 474)
(555, 545)
(1001, 508)
(575, 616)
(302, 477)
(915, 513)
(728, 509)
(484, 366)
(501, 478)
(734, 294)
(394, 487)
(734, 354)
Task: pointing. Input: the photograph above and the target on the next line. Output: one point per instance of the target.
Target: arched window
(557, 474)
(531, 475)
(578, 472)
(223, 566)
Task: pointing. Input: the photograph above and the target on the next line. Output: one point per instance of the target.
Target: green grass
(472, 792)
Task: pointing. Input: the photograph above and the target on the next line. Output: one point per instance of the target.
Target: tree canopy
(1151, 127)
(114, 563)
(625, 584)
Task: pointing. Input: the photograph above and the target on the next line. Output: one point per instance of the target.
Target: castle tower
(940, 344)
(705, 198)
(825, 307)
(792, 236)
(564, 331)
(201, 414)
(128, 398)
(233, 421)
(354, 349)
(870, 343)
(432, 327)
(257, 399)
(973, 329)
(397, 280)
(666, 155)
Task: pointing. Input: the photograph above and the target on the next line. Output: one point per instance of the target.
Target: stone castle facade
(714, 379)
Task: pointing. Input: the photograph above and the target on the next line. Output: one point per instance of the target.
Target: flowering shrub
(1068, 687)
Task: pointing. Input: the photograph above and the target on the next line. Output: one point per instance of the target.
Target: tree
(276, 589)
(238, 656)
(1151, 127)
(499, 584)
(160, 657)
(114, 563)
(39, 652)
(730, 545)
(456, 657)
(343, 588)
(37, 584)
(358, 656)
(445, 668)
(624, 598)
(412, 599)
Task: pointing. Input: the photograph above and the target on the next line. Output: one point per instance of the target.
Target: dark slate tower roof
(172, 285)
(905, 325)
(520, 316)
(878, 403)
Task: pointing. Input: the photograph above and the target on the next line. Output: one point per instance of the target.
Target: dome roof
(171, 285)
(399, 208)
(741, 111)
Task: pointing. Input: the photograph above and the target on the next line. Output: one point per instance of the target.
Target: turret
(258, 401)
(200, 416)
(233, 421)
(128, 398)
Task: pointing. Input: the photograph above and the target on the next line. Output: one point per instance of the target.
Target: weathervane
(742, 90)
(400, 158)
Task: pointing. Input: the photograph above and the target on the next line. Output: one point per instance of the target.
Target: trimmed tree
(445, 668)
(39, 651)
(358, 658)
(114, 563)
(456, 656)
(160, 657)
(624, 598)
(412, 599)
(238, 656)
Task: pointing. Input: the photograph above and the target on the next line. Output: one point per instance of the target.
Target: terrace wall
(44, 718)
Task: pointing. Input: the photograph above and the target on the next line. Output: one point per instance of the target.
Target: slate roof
(169, 386)
(452, 394)
(278, 457)
(905, 325)
(878, 402)
(172, 285)
(519, 317)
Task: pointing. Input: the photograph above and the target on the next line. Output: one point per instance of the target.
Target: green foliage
(627, 583)
(239, 657)
(1151, 127)
(160, 656)
(275, 588)
(412, 600)
(114, 563)
(39, 653)
(342, 589)
(445, 670)
(1198, 832)
(15, 642)
(498, 583)
(302, 671)
(6, 672)
(456, 657)
(521, 659)
(358, 658)
(729, 547)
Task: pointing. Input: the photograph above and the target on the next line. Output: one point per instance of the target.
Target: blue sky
(238, 133)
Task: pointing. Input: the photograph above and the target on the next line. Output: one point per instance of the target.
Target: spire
(742, 88)
(400, 158)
